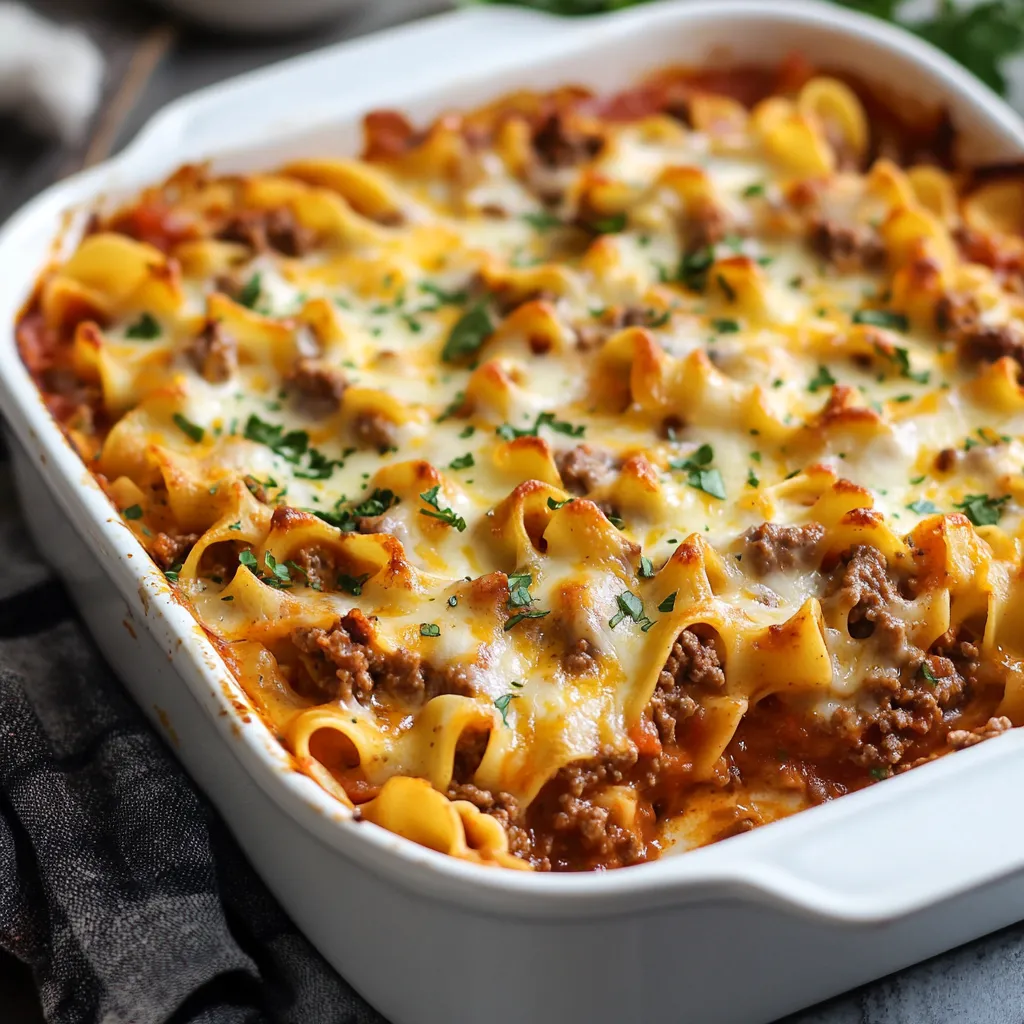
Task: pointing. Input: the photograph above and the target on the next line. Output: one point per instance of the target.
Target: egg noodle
(578, 478)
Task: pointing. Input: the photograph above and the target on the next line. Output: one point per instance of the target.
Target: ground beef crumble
(584, 469)
(342, 661)
(214, 353)
(317, 388)
(849, 248)
(692, 668)
(772, 547)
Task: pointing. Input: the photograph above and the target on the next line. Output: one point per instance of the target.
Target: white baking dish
(742, 931)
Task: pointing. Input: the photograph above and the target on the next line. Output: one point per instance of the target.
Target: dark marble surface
(980, 983)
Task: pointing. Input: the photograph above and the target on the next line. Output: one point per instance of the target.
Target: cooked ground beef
(263, 230)
(705, 224)
(503, 807)
(771, 547)
(318, 566)
(580, 659)
(559, 144)
(693, 666)
(170, 548)
(930, 690)
(318, 389)
(849, 248)
(960, 738)
(583, 469)
(593, 335)
(960, 320)
(214, 352)
(862, 589)
(946, 459)
(343, 662)
(374, 430)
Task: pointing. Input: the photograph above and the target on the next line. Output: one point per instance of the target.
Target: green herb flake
(502, 703)
(646, 568)
(133, 512)
(926, 672)
(462, 462)
(250, 293)
(694, 268)
(430, 629)
(188, 428)
(468, 334)
(923, 507)
(725, 326)
(981, 509)
(757, 189)
(146, 328)
(881, 318)
(669, 603)
(543, 221)
(823, 379)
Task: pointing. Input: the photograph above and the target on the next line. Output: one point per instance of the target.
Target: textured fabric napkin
(119, 885)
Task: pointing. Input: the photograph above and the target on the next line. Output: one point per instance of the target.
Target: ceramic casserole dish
(742, 931)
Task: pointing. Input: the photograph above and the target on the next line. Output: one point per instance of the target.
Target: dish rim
(752, 867)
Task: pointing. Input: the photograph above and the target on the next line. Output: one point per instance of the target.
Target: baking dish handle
(900, 845)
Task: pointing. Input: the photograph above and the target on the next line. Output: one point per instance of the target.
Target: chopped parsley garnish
(917, 479)
(655, 320)
(700, 475)
(881, 318)
(694, 267)
(554, 504)
(452, 407)
(929, 676)
(172, 573)
(545, 419)
(351, 584)
(727, 289)
(462, 462)
(133, 512)
(292, 447)
(517, 618)
(519, 597)
(542, 221)
(347, 518)
(444, 298)
(502, 703)
(250, 293)
(611, 225)
(752, 480)
(923, 507)
(725, 326)
(757, 189)
(445, 515)
(430, 629)
(669, 603)
(470, 331)
(632, 606)
(274, 574)
(981, 509)
(646, 568)
(879, 773)
(823, 379)
(467, 432)
(187, 427)
(235, 526)
(146, 328)
(901, 357)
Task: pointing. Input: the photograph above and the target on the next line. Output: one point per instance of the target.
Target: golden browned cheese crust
(578, 478)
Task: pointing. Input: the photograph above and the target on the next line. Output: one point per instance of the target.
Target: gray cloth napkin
(119, 885)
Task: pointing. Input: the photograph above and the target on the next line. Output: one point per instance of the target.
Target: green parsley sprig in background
(979, 36)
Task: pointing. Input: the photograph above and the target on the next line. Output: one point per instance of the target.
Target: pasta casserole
(579, 477)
